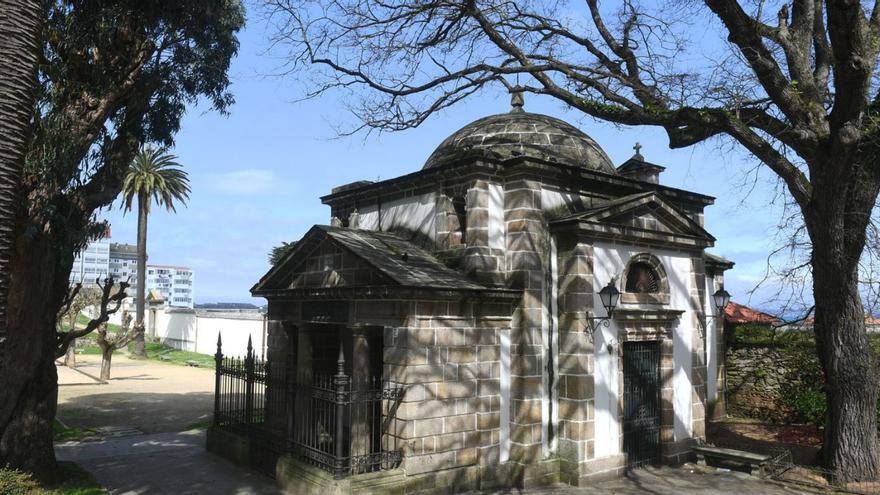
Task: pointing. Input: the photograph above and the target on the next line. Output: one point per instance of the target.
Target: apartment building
(175, 283)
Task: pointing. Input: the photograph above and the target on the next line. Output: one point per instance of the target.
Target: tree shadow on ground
(136, 377)
(722, 434)
(148, 412)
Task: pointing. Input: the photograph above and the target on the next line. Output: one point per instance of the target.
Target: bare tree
(110, 298)
(115, 340)
(81, 298)
(794, 86)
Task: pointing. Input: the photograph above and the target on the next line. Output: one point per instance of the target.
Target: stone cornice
(386, 293)
(483, 165)
(614, 232)
(630, 315)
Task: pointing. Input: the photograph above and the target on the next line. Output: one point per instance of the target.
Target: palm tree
(153, 176)
(21, 24)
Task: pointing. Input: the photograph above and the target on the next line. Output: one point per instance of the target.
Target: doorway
(641, 403)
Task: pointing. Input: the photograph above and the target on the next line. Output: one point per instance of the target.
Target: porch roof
(398, 262)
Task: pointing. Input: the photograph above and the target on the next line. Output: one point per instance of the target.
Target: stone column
(527, 245)
(481, 262)
(276, 392)
(576, 355)
(698, 343)
(361, 381)
(448, 228)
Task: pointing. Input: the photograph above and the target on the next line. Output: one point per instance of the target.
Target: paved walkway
(163, 463)
(674, 481)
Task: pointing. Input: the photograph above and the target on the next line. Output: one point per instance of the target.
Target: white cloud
(245, 182)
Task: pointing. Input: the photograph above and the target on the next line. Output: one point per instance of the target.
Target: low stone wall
(756, 377)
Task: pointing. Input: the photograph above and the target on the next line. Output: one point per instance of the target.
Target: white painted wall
(415, 213)
(497, 225)
(553, 201)
(609, 260)
(711, 343)
(504, 337)
(197, 331)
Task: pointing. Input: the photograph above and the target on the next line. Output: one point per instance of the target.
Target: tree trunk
(106, 359)
(851, 447)
(70, 355)
(139, 343)
(29, 393)
(20, 42)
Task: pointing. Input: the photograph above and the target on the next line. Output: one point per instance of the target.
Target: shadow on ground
(148, 412)
(685, 480)
(163, 463)
(723, 434)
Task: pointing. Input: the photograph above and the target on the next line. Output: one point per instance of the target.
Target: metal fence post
(340, 385)
(290, 387)
(249, 383)
(218, 365)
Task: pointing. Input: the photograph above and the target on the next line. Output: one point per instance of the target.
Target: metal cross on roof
(638, 148)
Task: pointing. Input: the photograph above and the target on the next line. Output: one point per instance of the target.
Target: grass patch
(65, 434)
(83, 320)
(161, 352)
(74, 481)
(200, 425)
(89, 350)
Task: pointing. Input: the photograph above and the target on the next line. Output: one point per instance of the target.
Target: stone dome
(521, 133)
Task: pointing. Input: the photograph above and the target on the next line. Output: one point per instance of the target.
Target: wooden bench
(755, 462)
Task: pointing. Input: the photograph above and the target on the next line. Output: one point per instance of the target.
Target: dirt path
(149, 396)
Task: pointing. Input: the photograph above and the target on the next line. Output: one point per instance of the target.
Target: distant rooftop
(738, 314)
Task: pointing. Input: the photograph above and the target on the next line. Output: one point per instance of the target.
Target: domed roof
(521, 133)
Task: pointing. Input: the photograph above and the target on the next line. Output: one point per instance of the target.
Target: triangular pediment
(639, 215)
(319, 261)
(338, 258)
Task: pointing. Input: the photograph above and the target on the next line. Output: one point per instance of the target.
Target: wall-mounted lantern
(721, 297)
(609, 296)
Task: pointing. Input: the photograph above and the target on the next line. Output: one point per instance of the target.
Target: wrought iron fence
(328, 421)
(782, 468)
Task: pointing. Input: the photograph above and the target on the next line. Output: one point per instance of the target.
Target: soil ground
(803, 441)
(149, 396)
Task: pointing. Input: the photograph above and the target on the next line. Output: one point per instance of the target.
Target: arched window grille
(642, 278)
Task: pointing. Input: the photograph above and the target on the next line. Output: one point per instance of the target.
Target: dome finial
(516, 99)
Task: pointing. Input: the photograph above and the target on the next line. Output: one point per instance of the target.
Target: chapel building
(468, 294)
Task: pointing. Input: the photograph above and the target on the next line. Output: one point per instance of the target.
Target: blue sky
(258, 173)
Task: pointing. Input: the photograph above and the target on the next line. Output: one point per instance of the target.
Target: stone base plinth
(298, 478)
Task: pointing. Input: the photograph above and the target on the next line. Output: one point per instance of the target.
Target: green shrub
(14, 482)
(810, 407)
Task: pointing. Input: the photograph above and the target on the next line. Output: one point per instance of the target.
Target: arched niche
(645, 281)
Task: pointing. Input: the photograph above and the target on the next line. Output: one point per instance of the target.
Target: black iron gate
(329, 421)
(641, 403)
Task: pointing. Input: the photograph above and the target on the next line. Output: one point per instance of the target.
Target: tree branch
(110, 303)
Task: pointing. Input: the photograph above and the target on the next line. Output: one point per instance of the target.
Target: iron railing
(327, 421)
(782, 468)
